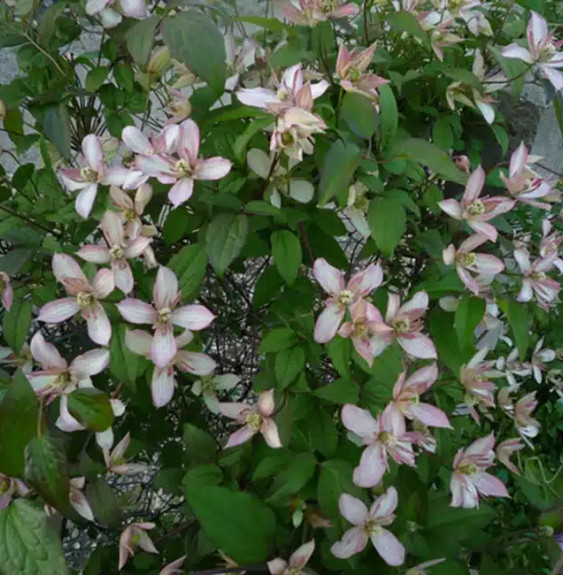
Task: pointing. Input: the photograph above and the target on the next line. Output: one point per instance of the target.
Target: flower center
(89, 175)
(164, 315)
(402, 325)
(538, 276)
(62, 380)
(547, 52)
(183, 169)
(116, 252)
(476, 208)
(329, 6)
(288, 138)
(354, 74)
(85, 299)
(207, 384)
(360, 330)
(130, 215)
(468, 469)
(371, 528)
(346, 297)
(283, 94)
(465, 260)
(386, 438)
(4, 484)
(254, 421)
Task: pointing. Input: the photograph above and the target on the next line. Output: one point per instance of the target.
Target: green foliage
(91, 408)
(225, 239)
(286, 250)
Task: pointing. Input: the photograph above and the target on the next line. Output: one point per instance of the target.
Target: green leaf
(358, 112)
(96, 77)
(28, 545)
(261, 208)
(289, 481)
(189, 265)
(388, 117)
(140, 38)
(288, 365)
(16, 324)
(225, 238)
(124, 76)
(442, 134)
(469, 313)
(338, 350)
(266, 287)
(46, 471)
(519, 322)
(501, 137)
(339, 165)
(449, 350)
(23, 7)
(175, 225)
(18, 424)
(92, 408)
(241, 143)
(387, 223)
(202, 475)
(56, 126)
(47, 25)
(123, 363)
(340, 391)
(200, 447)
(286, 249)
(237, 523)
(277, 340)
(194, 39)
(406, 22)
(431, 156)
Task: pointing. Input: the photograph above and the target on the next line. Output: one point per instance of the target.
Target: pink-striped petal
(46, 353)
(193, 317)
(165, 290)
(352, 509)
(328, 322)
(188, 141)
(90, 363)
(257, 97)
(352, 542)
(364, 282)
(194, 362)
(139, 342)
(360, 421)
(213, 169)
(517, 52)
(92, 150)
(240, 436)
(389, 547)
(137, 311)
(451, 207)
(162, 386)
(181, 191)
(85, 200)
(270, 432)
(330, 279)
(163, 347)
(58, 310)
(135, 140)
(420, 346)
(94, 254)
(103, 283)
(65, 267)
(372, 467)
(98, 324)
(429, 415)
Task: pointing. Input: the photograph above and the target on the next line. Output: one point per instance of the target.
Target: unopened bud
(546, 531)
(462, 163)
(110, 146)
(180, 109)
(149, 231)
(2, 110)
(142, 198)
(159, 61)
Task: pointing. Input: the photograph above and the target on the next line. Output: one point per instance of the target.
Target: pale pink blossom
(423, 437)
(505, 450)
(542, 51)
(9, 488)
(131, 209)
(297, 561)
(511, 366)
(342, 295)
(110, 11)
(477, 211)
(468, 262)
(470, 479)
(162, 143)
(550, 244)
(78, 499)
(174, 568)
(163, 316)
(370, 525)
(526, 425)
(440, 35)
(6, 290)
(84, 298)
(181, 164)
(179, 107)
(404, 324)
(383, 437)
(163, 380)
(311, 12)
(94, 173)
(539, 358)
(254, 420)
(22, 360)
(209, 385)
(135, 534)
(406, 397)
(239, 59)
(351, 68)
(422, 568)
(536, 282)
(116, 462)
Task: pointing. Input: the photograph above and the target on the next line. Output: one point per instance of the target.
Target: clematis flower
(297, 561)
(294, 131)
(135, 534)
(179, 107)
(342, 295)
(422, 568)
(423, 437)
(311, 12)
(542, 51)
(476, 211)
(403, 323)
(117, 251)
(253, 419)
(173, 568)
(351, 68)
(78, 499)
(505, 450)
(361, 327)
(115, 460)
(209, 385)
(440, 35)
(384, 437)
(550, 243)
(539, 358)
(536, 282)
(357, 207)
(239, 59)
(91, 175)
(406, 397)
(110, 11)
(370, 525)
(291, 91)
(470, 479)
(57, 377)
(22, 360)
(511, 366)
(6, 290)
(163, 378)
(162, 143)
(526, 425)
(163, 316)
(466, 262)
(183, 168)
(131, 210)
(10, 487)
(279, 182)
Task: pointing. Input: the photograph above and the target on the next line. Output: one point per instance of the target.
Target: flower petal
(213, 169)
(360, 421)
(451, 207)
(420, 346)
(165, 290)
(135, 140)
(352, 542)
(328, 322)
(372, 467)
(363, 283)
(257, 97)
(193, 317)
(331, 279)
(98, 324)
(162, 386)
(429, 415)
(90, 363)
(58, 310)
(270, 432)
(181, 191)
(188, 141)
(389, 547)
(94, 254)
(46, 353)
(195, 362)
(137, 311)
(241, 436)
(352, 509)
(163, 347)
(92, 150)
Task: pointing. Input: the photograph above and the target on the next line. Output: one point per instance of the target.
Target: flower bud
(462, 163)
(2, 110)
(159, 61)
(142, 198)
(110, 146)
(149, 231)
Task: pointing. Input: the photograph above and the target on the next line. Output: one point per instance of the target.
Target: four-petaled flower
(297, 561)
(115, 460)
(210, 384)
(535, 281)
(110, 10)
(133, 535)
(505, 450)
(311, 12)
(526, 425)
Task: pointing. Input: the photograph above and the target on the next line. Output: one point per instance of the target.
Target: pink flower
(505, 450)
(406, 397)
(364, 317)
(384, 437)
(6, 290)
(58, 377)
(108, 10)
(239, 59)
(342, 295)
(163, 378)
(536, 282)
(440, 36)
(78, 499)
(253, 419)
(475, 377)
(526, 425)
(370, 525)
(311, 12)
(210, 384)
(421, 568)
(423, 437)
(403, 323)
(135, 534)
(476, 211)
(10, 486)
(131, 210)
(466, 262)
(542, 51)
(291, 91)
(117, 250)
(297, 561)
(115, 460)
(550, 244)
(163, 316)
(91, 175)
(181, 165)
(351, 67)
(84, 298)
(470, 479)
(173, 568)
(539, 358)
